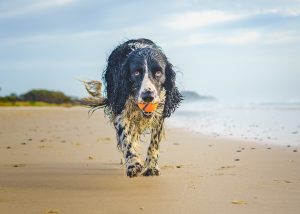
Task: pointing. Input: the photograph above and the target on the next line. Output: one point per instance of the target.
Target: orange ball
(148, 107)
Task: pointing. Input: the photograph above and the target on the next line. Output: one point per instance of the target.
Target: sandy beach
(59, 160)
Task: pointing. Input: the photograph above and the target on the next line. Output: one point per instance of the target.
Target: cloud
(189, 20)
(81, 37)
(54, 37)
(238, 38)
(276, 11)
(193, 19)
(242, 27)
(34, 7)
(233, 38)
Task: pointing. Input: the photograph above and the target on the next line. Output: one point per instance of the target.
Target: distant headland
(194, 96)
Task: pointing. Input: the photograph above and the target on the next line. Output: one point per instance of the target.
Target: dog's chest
(137, 123)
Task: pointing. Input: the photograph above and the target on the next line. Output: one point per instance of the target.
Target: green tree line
(41, 95)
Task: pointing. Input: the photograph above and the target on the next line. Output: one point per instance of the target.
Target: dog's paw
(134, 169)
(152, 172)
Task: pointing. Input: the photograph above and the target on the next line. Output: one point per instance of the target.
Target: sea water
(264, 123)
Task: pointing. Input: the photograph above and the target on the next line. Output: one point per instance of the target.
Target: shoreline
(277, 127)
(62, 161)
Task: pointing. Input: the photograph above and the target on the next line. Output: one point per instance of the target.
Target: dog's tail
(96, 100)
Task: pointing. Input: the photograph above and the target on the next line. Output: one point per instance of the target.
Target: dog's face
(147, 74)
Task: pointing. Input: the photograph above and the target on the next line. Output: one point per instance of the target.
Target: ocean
(266, 123)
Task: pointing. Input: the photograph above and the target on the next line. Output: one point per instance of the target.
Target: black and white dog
(139, 72)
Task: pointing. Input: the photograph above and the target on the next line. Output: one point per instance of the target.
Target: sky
(236, 50)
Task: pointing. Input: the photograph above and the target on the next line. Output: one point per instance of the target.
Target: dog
(140, 94)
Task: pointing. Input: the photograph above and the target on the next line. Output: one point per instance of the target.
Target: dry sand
(58, 160)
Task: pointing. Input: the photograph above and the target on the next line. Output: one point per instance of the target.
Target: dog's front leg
(127, 144)
(153, 152)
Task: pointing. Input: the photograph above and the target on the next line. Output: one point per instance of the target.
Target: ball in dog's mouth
(147, 108)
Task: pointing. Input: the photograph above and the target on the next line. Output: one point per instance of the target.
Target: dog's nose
(147, 96)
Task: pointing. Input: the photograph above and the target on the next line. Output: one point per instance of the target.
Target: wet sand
(58, 160)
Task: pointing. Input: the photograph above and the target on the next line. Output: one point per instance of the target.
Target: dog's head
(144, 73)
(148, 73)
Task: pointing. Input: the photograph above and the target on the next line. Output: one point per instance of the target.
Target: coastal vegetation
(39, 97)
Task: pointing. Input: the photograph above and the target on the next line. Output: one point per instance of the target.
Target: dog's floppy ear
(118, 88)
(173, 96)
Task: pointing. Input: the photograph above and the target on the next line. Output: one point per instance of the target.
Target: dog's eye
(158, 73)
(137, 73)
